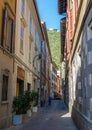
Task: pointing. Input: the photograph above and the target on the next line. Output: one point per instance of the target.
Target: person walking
(49, 100)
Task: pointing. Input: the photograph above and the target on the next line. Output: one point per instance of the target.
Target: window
(36, 36)
(5, 88)
(71, 4)
(90, 25)
(30, 24)
(28, 86)
(23, 7)
(8, 31)
(29, 51)
(20, 87)
(90, 79)
(21, 38)
(35, 33)
(89, 57)
(89, 30)
(77, 4)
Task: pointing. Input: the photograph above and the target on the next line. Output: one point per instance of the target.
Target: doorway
(19, 87)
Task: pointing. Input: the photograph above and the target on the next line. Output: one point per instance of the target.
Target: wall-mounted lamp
(6, 70)
(39, 57)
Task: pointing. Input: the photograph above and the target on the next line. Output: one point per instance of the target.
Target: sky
(48, 10)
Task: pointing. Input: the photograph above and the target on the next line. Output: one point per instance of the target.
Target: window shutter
(21, 38)
(12, 37)
(3, 27)
(5, 88)
(23, 7)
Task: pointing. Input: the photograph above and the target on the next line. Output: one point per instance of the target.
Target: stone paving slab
(54, 117)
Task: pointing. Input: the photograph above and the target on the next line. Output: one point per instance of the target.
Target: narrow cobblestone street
(54, 117)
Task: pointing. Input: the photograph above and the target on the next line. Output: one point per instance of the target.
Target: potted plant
(34, 96)
(17, 110)
(28, 100)
(26, 105)
(21, 107)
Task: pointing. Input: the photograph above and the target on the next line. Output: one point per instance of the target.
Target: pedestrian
(49, 100)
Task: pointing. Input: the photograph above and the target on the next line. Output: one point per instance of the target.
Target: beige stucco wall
(35, 47)
(19, 59)
(6, 62)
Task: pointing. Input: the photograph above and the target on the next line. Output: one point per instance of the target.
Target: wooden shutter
(4, 27)
(21, 38)
(12, 37)
(5, 88)
(8, 34)
(30, 50)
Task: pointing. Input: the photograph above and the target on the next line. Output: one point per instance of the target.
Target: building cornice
(46, 38)
(26, 66)
(36, 9)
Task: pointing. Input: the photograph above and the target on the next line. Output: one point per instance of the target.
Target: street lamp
(39, 57)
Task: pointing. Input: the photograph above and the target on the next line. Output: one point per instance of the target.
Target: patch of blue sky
(48, 10)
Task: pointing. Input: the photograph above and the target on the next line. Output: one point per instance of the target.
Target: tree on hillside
(54, 40)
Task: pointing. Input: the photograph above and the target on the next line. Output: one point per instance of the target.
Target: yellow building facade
(19, 52)
(28, 38)
(7, 27)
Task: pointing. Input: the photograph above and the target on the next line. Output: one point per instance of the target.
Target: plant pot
(35, 109)
(29, 113)
(25, 118)
(17, 119)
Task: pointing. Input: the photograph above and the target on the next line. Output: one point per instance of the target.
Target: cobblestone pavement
(54, 117)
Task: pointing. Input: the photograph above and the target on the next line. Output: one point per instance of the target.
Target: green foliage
(54, 40)
(27, 100)
(34, 96)
(17, 105)
(22, 103)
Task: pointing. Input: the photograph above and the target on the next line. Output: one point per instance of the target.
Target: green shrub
(22, 103)
(17, 105)
(34, 97)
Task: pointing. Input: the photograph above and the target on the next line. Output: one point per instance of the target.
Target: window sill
(4, 102)
(6, 51)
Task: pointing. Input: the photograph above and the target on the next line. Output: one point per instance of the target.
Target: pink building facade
(71, 21)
